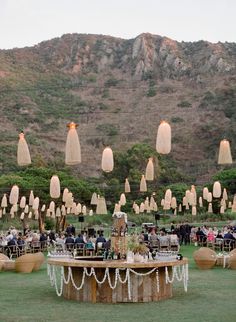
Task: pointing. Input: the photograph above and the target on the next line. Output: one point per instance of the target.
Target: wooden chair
(80, 249)
(164, 244)
(70, 247)
(35, 246)
(218, 244)
(12, 251)
(228, 245)
(44, 246)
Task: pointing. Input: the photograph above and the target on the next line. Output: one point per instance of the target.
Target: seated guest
(69, 240)
(201, 237)
(79, 239)
(89, 244)
(229, 235)
(100, 239)
(20, 240)
(210, 235)
(43, 237)
(219, 234)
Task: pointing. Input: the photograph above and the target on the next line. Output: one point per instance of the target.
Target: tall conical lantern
(194, 211)
(55, 187)
(35, 205)
(142, 207)
(216, 189)
(22, 202)
(225, 156)
(101, 206)
(4, 201)
(168, 196)
(94, 199)
(31, 198)
(210, 208)
(64, 195)
(225, 195)
(200, 202)
(127, 186)
(143, 184)
(149, 173)
(163, 141)
(209, 197)
(173, 203)
(107, 160)
(116, 208)
(14, 195)
(180, 207)
(23, 154)
(122, 199)
(73, 151)
(52, 206)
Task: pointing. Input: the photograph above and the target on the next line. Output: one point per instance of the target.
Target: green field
(211, 297)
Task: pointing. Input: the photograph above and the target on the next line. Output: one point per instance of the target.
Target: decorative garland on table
(52, 271)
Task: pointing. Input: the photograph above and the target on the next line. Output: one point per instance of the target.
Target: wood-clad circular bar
(142, 288)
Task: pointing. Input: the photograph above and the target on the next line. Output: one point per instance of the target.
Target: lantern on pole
(23, 154)
(55, 187)
(149, 173)
(73, 151)
(127, 186)
(216, 189)
(14, 195)
(143, 184)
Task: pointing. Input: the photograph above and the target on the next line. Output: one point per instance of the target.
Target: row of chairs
(15, 251)
(81, 249)
(164, 245)
(219, 244)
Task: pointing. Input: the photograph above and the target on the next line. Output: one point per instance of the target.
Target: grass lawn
(211, 296)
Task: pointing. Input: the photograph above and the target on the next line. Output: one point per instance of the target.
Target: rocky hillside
(118, 91)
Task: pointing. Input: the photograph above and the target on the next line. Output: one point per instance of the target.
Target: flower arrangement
(135, 246)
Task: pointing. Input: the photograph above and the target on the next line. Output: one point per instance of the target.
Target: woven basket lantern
(94, 199)
(22, 202)
(180, 208)
(101, 206)
(205, 258)
(143, 184)
(127, 186)
(225, 156)
(107, 160)
(35, 205)
(55, 187)
(141, 207)
(205, 193)
(23, 154)
(210, 210)
(31, 198)
(225, 195)
(209, 197)
(64, 195)
(73, 151)
(14, 195)
(149, 173)
(122, 199)
(200, 202)
(216, 189)
(4, 201)
(163, 141)
(173, 203)
(194, 211)
(168, 196)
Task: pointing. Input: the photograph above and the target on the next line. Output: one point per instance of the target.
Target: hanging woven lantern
(225, 195)
(55, 187)
(4, 201)
(30, 215)
(94, 199)
(187, 207)
(127, 186)
(136, 210)
(162, 202)
(149, 173)
(15, 207)
(200, 202)
(63, 210)
(107, 160)
(58, 212)
(4, 211)
(210, 208)
(73, 208)
(22, 216)
(52, 206)
(14, 195)
(166, 205)
(36, 214)
(73, 151)
(173, 203)
(222, 210)
(142, 207)
(26, 210)
(185, 201)
(122, 199)
(146, 203)
(35, 205)
(209, 197)
(31, 198)
(168, 196)
(22, 202)
(48, 213)
(23, 154)
(43, 208)
(101, 206)
(205, 193)
(143, 184)
(155, 208)
(0, 213)
(194, 211)
(217, 189)
(116, 208)
(225, 156)
(64, 195)
(163, 141)
(84, 210)
(69, 200)
(79, 208)
(192, 201)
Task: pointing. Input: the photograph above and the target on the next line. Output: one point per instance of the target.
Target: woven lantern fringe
(14, 195)
(31, 198)
(163, 141)
(216, 189)
(23, 154)
(107, 160)
(185, 201)
(143, 184)
(127, 186)
(79, 208)
(149, 173)
(225, 156)
(55, 187)
(73, 151)
(94, 199)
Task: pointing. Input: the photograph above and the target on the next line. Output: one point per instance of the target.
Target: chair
(35, 246)
(218, 244)
(22, 249)
(70, 246)
(44, 246)
(80, 249)
(228, 245)
(164, 244)
(155, 244)
(100, 248)
(12, 251)
(174, 245)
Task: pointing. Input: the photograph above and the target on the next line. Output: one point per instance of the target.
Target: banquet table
(114, 281)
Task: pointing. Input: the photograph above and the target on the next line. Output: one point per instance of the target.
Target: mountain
(118, 91)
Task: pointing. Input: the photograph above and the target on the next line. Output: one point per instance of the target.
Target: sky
(28, 22)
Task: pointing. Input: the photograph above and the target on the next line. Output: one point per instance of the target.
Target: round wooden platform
(143, 288)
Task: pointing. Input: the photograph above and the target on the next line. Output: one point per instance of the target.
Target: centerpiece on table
(137, 252)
